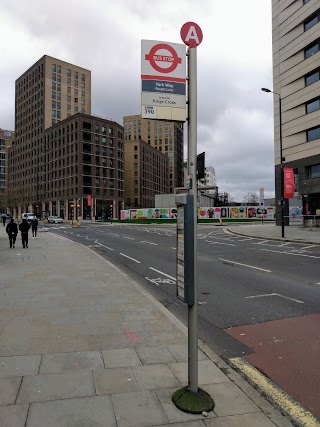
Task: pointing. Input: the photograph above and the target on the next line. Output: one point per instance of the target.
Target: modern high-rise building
(63, 161)
(6, 138)
(296, 79)
(165, 136)
(146, 172)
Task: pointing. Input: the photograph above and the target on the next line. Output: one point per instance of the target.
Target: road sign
(163, 80)
(191, 34)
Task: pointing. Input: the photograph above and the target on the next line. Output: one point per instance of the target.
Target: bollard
(220, 220)
(78, 223)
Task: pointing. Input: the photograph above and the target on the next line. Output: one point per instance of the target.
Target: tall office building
(165, 136)
(6, 138)
(49, 91)
(296, 78)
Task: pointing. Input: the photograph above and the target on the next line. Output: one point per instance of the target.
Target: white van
(28, 216)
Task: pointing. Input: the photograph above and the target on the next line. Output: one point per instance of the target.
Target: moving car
(28, 216)
(54, 219)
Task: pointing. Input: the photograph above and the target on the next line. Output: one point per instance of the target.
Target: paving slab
(229, 400)
(139, 409)
(74, 361)
(121, 358)
(173, 413)
(56, 386)
(180, 352)
(9, 388)
(94, 411)
(208, 372)
(13, 415)
(19, 365)
(247, 420)
(154, 355)
(155, 376)
(115, 380)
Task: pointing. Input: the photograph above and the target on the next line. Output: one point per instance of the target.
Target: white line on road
(243, 240)
(307, 247)
(245, 265)
(260, 243)
(114, 234)
(219, 243)
(289, 253)
(150, 243)
(173, 248)
(132, 259)
(285, 244)
(130, 238)
(107, 247)
(161, 272)
(276, 295)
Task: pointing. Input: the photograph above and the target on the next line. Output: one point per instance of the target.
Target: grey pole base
(191, 402)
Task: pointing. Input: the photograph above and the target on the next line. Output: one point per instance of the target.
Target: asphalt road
(243, 283)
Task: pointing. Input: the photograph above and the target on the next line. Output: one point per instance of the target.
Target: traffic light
(201, 166)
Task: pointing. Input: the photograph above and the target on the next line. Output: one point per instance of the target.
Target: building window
(313, 171)
(53, 113)
(54, 104)
(58, 87)
(54, 68)
(53, 121)
(69, 89)
(311, 49)
(313, 105)
(69, 73)
(76, 91)
(136, 156)
(59, 105)
(76, 100)
(83, 101)
(69, 80)
(54, 86)
(68, 107)
(58, 96)
(59, 69)
(54, 95)
(76, 75)
(75, 109)
(310, 22)
(97, 128)
(58, 114)
(135, 148)
(76, 82)
(313, 134)
(54, 77)
(312, 78)
(83, 110)
(83, 78)
(136, 165)
(68, 98)
(59, 78)
(82, 85)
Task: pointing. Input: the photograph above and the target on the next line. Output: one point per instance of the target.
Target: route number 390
(148, 110)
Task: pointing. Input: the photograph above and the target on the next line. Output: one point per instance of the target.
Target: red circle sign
(191, 34)
(153, 58)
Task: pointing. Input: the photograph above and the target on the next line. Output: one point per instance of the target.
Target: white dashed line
(307, 247)
(276, 295)
(219, 243)
(107, 247)
(245, 265)
(290, 253)
(129, 238)
(150, 243)
(161, 272)
(173, 248)
(132, 259)
(260, 243)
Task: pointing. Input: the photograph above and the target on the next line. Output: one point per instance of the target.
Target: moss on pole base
(191, 402)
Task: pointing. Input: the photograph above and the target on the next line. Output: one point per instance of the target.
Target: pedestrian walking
(34, 228)
(4, 220)
(24, 228)
(12, 230)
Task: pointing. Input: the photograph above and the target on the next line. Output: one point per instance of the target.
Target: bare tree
(251, 198)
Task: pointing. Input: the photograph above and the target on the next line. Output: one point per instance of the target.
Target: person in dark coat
(4, 220)
(24, 228)
(34, 228)
(12, 230)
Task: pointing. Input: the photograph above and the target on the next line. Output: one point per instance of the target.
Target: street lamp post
(281, 159)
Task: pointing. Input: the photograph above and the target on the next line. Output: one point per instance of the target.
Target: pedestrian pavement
(81, 344)
(292, 233)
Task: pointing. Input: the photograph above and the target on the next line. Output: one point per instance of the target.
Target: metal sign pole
(192, 170)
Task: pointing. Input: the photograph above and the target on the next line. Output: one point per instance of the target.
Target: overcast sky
(235, 119)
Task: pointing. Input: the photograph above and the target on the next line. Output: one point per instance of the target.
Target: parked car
(28, 216)
(55, 219)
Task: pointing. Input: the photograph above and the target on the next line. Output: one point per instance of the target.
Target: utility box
(185, 248)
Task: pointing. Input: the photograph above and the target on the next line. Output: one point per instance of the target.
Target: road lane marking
(245, 265)
(219, 243)
(150, 243)
(114, 234)
(294, 409)
(173, 248)
(130, 238)
(158, 281)
(307, 247)
(289, 253)
(132, 259)
(243, 240)
(260, 243)
(107, 247)
(285, 244)
(161, 272)
(276, 295)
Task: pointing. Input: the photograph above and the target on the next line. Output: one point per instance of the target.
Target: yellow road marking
(294, 409)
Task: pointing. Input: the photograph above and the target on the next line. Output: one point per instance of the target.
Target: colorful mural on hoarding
(203, 213)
